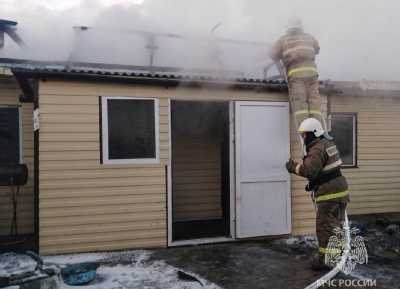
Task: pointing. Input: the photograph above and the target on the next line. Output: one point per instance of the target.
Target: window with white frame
(10, 135)
(129, 130)
(344, 132)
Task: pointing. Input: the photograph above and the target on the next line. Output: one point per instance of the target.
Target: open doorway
(200, 170)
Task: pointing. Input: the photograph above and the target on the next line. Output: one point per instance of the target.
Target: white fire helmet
(311, 125)
(295, 23)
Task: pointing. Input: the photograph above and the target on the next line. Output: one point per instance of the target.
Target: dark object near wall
(13, 175)
(188, 278)
(26, 270)
(10, 135)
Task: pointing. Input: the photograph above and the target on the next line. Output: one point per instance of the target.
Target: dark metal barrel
(13, 175)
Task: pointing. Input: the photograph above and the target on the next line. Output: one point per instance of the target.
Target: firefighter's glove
(308, 188)
(291, 166)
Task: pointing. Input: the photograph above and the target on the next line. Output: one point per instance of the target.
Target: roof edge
(149, 79)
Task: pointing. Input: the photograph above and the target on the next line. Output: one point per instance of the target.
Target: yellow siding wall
(197, 179)
(86, 206)
(375, 184)
(9, 95)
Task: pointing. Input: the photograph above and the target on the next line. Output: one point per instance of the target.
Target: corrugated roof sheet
(101, 69)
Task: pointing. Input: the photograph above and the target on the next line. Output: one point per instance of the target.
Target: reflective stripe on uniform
(306, 111)
(331, 151)
(297, 170)
(302, 69)
(330, 251)
(331, 166)
(316, 112)
(290, 50)
(331, 196)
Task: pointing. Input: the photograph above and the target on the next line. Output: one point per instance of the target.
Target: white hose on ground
(328, 276)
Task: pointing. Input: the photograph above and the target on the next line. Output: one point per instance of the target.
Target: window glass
(344, 134)
(9, 135)
(131, 129)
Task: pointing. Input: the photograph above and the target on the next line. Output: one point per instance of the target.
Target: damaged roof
(144, 48)
(166, 76)
(64, 69)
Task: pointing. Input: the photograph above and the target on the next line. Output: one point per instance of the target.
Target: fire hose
(328, 276)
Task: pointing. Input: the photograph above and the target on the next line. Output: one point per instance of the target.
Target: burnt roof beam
(1, 38)
(14, 36)
(9, 28)
(7, 23)
(27, 86)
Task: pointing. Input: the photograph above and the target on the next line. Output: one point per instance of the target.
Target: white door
(262, 182)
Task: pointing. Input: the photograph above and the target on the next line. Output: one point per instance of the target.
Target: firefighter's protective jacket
(321, 166)
(297, 50)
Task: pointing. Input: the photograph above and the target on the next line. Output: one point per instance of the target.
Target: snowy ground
(279, 264)
(11, 264)
(121, 270)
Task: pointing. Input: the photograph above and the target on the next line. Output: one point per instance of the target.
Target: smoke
(359, 38)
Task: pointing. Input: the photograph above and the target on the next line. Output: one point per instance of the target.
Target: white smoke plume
(359, 38)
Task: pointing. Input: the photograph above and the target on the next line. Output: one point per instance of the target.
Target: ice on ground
(73, 258)
(154, 275)
(307, 241)
(106, 257)
(140, 272)
(12, 264)
(118, 270)
(291, 241)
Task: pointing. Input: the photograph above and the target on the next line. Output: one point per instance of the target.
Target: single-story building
(121, 158)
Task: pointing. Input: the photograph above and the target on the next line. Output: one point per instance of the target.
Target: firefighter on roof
(296, 50)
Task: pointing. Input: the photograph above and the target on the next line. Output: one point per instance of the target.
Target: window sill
(131, 162)
(349, 167)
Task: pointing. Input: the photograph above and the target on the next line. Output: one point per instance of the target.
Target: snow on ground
(140, 273)
(157, 275)
(107, 257)
(307, 240)
(74, 258)
(12, 264)
(127, 270)
(303, 243)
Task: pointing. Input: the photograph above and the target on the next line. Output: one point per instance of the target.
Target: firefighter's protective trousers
(330, 215)
(304, 98)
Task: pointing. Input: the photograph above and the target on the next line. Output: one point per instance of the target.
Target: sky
(359, 39)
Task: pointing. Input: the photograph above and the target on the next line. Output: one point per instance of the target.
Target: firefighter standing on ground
(321, 166)
(297, 51)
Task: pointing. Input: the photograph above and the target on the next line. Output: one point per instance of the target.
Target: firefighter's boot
(318, 263)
